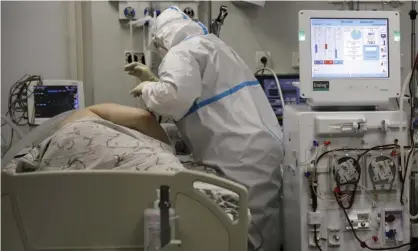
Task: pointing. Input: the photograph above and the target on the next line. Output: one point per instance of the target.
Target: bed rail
(104, 210)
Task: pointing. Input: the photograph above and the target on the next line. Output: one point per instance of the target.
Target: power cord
(314, 199)
(314, 207)
(316, 239)
(411, 151)
(411, 131)
(264, 60)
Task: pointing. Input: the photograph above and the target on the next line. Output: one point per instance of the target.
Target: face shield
(170, 28)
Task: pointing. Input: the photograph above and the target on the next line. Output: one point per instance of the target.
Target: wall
(33, 41)
(87, 45)
(247, 29)
(105, 38)
(274, 28)
(109, 39)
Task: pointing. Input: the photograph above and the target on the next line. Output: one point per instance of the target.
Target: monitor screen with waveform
(52, 100)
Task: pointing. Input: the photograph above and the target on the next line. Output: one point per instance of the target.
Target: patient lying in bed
(110, 136)
(106, 136)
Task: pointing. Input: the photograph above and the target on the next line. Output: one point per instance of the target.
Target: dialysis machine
(343, 173)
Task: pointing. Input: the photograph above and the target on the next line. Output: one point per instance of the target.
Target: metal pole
(209, 10)
(165, 230)
(412, 15)
(351, 5)
(413, 51)
(205, 12)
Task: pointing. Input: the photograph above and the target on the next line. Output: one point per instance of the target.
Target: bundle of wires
(357, 166)
(411, 131)
(337, 193)
(17, 108)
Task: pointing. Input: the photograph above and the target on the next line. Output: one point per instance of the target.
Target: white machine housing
(351, 130)
(349, 91)
(31, 99)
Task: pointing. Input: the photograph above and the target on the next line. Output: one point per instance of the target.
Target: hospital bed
(103, 210)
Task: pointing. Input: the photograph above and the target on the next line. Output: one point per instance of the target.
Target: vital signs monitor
(349, 58)
(53, 97)
(290, 92)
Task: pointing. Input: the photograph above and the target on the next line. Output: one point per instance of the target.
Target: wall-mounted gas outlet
(259, 55)
(295, 60)
(131, 9)
(137, 57)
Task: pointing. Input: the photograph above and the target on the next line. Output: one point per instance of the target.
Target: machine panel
(354, 166)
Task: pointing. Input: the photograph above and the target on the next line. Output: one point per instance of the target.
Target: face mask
(161, 52)
(157, 46)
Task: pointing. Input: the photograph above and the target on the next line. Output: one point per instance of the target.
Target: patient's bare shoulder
(131, 117)
(79, 114)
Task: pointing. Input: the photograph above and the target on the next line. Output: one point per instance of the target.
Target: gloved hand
(137, 91)
(141, 71)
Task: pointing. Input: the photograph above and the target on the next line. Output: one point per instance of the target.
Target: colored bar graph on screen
(326, 46)
(336, 54)
(316, 48)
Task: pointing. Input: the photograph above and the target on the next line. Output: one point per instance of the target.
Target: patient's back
(94, 143)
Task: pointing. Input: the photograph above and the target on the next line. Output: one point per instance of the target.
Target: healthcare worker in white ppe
(221, 111)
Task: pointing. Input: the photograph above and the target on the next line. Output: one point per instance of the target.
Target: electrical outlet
(259, 55)
(138, 57)
(295, 60)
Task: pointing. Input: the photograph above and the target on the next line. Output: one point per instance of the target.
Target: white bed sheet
(92, 143)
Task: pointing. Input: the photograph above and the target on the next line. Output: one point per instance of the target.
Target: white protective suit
(222, 113)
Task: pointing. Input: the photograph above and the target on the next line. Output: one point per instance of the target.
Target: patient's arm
(134, 118)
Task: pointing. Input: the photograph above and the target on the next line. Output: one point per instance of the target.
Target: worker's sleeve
(179, 86)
